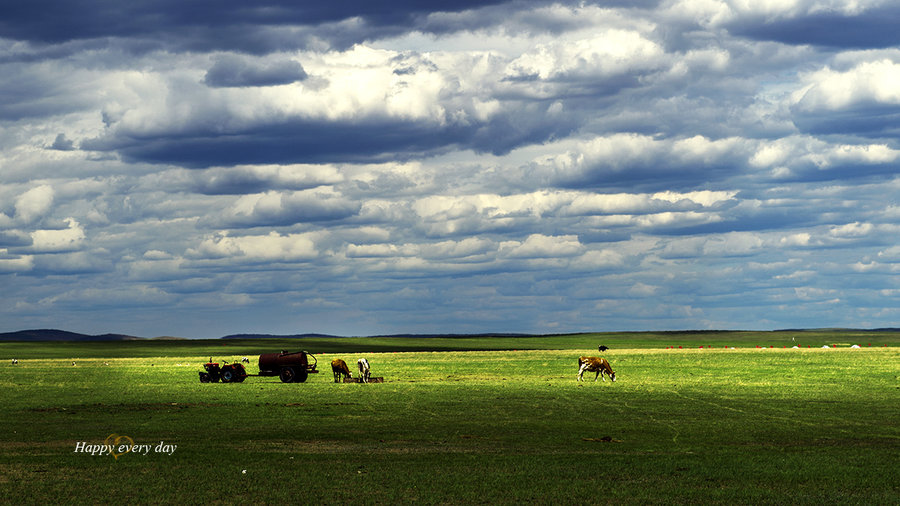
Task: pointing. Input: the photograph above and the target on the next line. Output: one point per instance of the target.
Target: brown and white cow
(340, 369)
(595, 364)
(363, 366)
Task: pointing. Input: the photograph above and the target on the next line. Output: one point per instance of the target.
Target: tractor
(228, 373)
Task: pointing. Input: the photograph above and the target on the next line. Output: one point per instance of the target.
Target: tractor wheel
(287, 375)
(204, 377)
(227, 376)
(301, 376)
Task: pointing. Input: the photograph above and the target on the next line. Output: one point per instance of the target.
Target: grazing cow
(245, 360)
(595, 364)
(602, 348)
(363, 365)
(340, 369)
(15, 361)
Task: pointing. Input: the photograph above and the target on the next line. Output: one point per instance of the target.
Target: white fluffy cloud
(270, 247)
(867, 84)
(67, 239)
(542, 246)
(609, 53)
(16, 263)
(862, 100)
(286, 208)
(34, 203)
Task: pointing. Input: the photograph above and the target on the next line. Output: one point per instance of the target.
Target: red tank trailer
(291, 367)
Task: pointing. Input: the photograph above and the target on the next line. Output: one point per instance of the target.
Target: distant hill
(38, 335)
(328, 336)
(273, 336)
(461, 336)
(61, 335)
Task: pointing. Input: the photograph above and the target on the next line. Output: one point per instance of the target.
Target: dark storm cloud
(643, 163)
(323, 141)
(11, 239)
(217, 22)
(32, 92)
(655, 176)
(875, 120)
(235, 71)
(517, 17)
(288, 142)
(872, 28)
(242, 180)
(61, 143)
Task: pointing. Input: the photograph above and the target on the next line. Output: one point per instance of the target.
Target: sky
(196, 169)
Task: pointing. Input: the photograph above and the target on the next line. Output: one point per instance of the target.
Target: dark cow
(340, 369)
(602, 348)
(595, 364)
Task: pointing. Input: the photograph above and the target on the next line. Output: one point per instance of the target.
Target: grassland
(690, 425)
(616, 340)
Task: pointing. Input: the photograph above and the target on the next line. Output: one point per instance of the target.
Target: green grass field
(724, 426)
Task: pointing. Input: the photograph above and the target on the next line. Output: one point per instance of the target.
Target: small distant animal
(73, 363)
(595, 364)
(602, 348)
(15, 361)
(363, 365)
(245, 360)
(340, 370)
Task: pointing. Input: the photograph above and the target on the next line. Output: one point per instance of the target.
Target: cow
(595, 364)
(245, 360)
(363, 365)
(340, 369)
(15, 361)
(602, 348)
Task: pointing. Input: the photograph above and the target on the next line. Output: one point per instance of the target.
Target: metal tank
(290, 367)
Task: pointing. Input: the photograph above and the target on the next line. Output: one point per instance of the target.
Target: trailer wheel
(287, 375)
(301, 376)
(204, 377)
(227, 376)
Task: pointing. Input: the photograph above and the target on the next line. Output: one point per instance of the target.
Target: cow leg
(581, 371)
(595, 376)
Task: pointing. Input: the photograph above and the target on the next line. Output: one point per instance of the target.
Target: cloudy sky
(200, 168)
